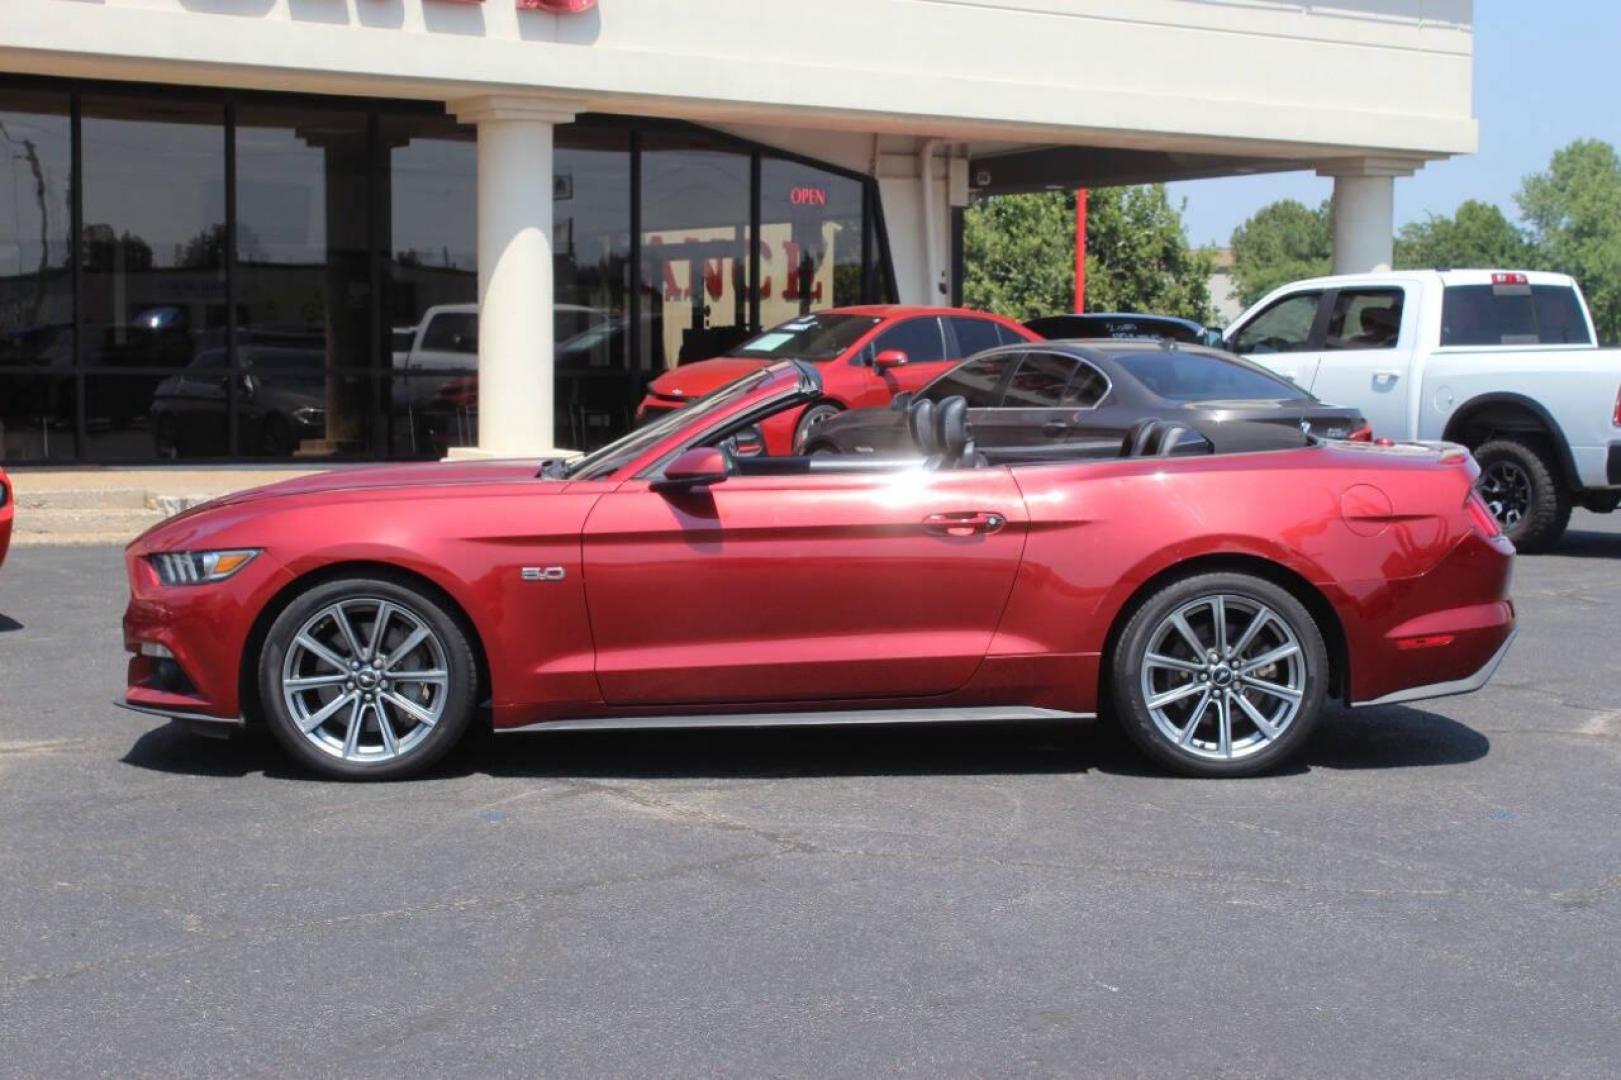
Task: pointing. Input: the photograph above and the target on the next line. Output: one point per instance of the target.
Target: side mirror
(889, 358)
(1216, 339)
(696, 468)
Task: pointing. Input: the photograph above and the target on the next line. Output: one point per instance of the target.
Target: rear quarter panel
(1100, 532)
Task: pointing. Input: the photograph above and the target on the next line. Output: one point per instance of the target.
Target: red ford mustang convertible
(1211, 602)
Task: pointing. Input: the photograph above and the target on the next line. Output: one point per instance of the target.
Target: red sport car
(866, 355)
(7, 512)
(1212, 602)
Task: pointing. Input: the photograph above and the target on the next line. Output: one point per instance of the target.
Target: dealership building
(362, 229)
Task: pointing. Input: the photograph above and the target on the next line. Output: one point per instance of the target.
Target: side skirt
(978, 714)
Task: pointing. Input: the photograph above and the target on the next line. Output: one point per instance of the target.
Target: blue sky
(1546, 72)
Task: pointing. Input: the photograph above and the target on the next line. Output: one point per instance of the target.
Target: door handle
(1053, 428)
(964, 523)
(1385, 378)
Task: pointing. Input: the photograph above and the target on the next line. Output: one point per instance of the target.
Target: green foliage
(1478, 236)
(1574, 211)
(1019, 255)
(1281, 242)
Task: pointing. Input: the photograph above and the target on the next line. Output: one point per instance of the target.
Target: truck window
(1283, 327)
(1512, 315)
(452, 332)
(1364, 319)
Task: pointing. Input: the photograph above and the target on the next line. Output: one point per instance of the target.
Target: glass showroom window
(810, 240)
(694, 275)
(152, 259)
(303, 286)
(37, 401)
(591, 200)
(431, 306)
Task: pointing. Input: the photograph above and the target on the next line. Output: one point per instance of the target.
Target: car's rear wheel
(367, 678)
(1220, 675)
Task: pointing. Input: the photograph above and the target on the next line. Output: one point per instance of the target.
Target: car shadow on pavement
(7, 623)
(1582, 544)
(1387, 738)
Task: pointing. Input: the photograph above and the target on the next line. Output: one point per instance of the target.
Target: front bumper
(204, 628)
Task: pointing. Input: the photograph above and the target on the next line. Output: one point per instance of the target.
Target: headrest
(951, 422)
(920, 422)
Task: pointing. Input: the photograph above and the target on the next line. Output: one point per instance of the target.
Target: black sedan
(1062, 393)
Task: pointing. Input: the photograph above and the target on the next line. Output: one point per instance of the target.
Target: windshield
(810, 337)
(617, 454)
(1188, 376)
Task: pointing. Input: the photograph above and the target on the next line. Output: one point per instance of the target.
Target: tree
(1138, 258)
(1574, 211)
(1281, 242)
(1019, 255)
(1477, 236)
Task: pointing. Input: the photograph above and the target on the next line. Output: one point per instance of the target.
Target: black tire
(460, 688)
(1520, 483)
(1250, 750)
(811, 419)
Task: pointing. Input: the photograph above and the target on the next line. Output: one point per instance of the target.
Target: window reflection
(153, 249)
(36, 214)
(303, 286)
(810, 240)
(694, 272)
(350, 325)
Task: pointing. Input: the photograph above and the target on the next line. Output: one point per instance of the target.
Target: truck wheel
(1522, 487)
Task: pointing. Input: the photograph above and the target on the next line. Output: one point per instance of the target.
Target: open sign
(805, 195)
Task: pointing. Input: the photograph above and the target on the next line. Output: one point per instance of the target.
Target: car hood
(691, 381)
(426, 474)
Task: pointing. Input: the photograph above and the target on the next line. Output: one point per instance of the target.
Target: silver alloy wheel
(1223, 677)
(365, 679)
(1506, 490)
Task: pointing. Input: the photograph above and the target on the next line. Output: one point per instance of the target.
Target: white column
(515, 385)
(1364, 211)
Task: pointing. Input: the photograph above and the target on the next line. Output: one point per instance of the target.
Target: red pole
(1080, 250)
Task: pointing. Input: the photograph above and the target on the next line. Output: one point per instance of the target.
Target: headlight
(199, 567)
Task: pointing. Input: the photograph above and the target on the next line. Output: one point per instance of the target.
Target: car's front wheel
(1220, 675)
(367, 678)
(813, 418)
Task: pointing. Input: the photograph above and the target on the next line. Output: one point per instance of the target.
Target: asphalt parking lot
(1435, 890)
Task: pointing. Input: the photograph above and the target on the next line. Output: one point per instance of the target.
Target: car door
(979, 382)
(1051, 402)
(1284, 336)
(828, 586)
(1367, 354)
(923, 340)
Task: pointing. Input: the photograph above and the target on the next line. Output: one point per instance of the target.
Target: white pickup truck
(1504, 362)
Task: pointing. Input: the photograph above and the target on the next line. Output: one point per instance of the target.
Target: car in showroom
(1064, 398)
(866, 356)
(1122, 325)
(1212, 602)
